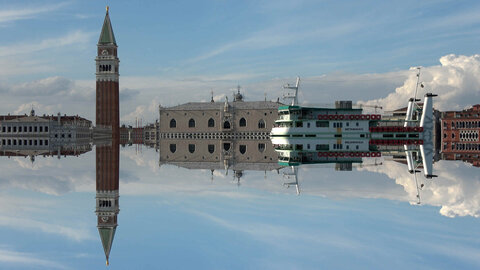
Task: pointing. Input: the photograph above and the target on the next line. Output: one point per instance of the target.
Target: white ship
(345, 134)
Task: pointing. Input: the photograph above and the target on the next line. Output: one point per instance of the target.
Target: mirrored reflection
(233, 149)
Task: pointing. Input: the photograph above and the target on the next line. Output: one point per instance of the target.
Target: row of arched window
(211, 123)
(211, 148)
(104, 68)
(24, 142)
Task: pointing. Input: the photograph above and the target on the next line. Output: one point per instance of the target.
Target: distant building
(460, 135)
(130, 135)
(209, 120)
(32, 132)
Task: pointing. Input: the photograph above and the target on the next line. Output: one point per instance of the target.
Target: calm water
(175, 216)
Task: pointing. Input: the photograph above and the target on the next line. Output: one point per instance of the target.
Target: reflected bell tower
(107, 153)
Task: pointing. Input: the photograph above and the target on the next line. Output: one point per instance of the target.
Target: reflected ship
(305, 135)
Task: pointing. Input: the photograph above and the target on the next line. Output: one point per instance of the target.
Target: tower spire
(107, 36)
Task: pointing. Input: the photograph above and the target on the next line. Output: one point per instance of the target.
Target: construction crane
(371, 106)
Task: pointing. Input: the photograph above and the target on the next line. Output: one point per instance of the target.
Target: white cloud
(456, 81)
(31, 46)
(10, 15)
(29, 259)
(456, 191)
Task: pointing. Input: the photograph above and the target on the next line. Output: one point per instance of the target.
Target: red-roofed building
(460, 135)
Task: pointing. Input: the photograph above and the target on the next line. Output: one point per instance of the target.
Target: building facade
(45, 132)
(460, 135)
(209, 120)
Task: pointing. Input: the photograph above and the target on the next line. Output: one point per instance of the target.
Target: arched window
(211, 148)
(173, 123)
(226, 125)
(191, 148)
(261, 147)
(211, 122)
(243, 149)
(261, 124)
(173, 148)
(191, 123)
(226, 146)
(243, 122)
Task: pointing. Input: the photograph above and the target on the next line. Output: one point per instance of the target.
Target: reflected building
(237, 155)
(48, 135)
(107, 154)
(230, 135)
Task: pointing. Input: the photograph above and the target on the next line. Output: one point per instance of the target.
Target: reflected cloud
(28, 259)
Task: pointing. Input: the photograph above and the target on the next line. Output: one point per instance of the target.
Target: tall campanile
(107, 154)
(107, 64)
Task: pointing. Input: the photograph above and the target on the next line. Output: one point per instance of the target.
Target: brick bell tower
(107, 65)
(107, 155)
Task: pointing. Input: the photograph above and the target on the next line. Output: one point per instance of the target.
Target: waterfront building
(217, 120)
(460, 135)
(46, 133)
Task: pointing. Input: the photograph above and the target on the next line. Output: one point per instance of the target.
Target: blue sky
(177, 51)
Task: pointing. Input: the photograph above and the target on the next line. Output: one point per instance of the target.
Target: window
(261, 123)
(322, 123)
(211, 148)
(356, 124)
(243, 122)
(46, 142)
(46, 129)
(173, 148)
(226, 146)
(3, 129)
(14, 129)
(324, 147)
(41, 129)
(226, 125)
(243, 149)
(297, 124)
(173, 123)
(191, 123)
(35, 129)
(191, 148)
(211, 122)
(9, 129)
(261, 147)
(453, 135)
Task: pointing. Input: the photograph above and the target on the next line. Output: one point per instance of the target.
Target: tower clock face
(104, 52)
